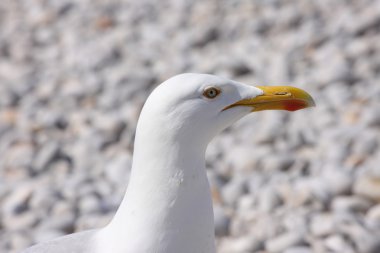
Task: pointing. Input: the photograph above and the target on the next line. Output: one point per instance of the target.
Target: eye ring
(211, 92)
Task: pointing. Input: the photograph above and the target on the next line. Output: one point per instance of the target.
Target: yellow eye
(211, 92)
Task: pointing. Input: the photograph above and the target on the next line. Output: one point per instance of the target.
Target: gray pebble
(46, 235)
(284, 241)
(233, 190)
(278, 163)
(339, 181)
(240, 245)
(20, 221)
(351, 204)
(299, 249)
(88, 204)
(368, 187)
(363, 239)
(221, 221)
(18, 201)
(336, 243)
(18, 240)
(322, 224)
(268, 199)
(374, 213)
(45, 156)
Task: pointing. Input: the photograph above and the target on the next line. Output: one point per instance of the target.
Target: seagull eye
(211, 92)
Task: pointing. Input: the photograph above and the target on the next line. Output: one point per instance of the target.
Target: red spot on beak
(294, 105)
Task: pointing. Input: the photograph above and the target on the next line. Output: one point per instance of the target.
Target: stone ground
(75, 74)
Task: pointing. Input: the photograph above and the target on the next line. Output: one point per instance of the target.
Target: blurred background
(75, 74)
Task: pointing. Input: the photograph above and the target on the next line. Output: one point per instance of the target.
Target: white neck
(167, 207)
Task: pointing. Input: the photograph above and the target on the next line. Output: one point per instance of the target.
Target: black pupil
(212, 93)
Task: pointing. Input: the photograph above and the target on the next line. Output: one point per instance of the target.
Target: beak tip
(312, 102)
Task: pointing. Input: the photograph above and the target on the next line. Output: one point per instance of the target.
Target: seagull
(167, 207)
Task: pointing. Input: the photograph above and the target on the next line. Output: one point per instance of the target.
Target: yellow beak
(277, 98)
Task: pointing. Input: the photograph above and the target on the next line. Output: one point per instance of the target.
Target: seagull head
(195, 107)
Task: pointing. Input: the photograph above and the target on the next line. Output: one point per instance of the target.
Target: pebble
(336, 243)
(18, 156)
(363, 239)
(47, 235)
(43, 198)
(18, 240)
(278, 163)
(88, 204)
(374, 213)
(284, 241)
(221, 221)
(322, 224)
(45, 156)
(64, 223)
(351, 204)
(368, 187)
(20, 221)
(231, 192)
(240, 245)
(17, 202)
(268, 200)
(299, 249)
(339, 181)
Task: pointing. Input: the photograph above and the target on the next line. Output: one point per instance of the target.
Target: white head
(195, 107)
